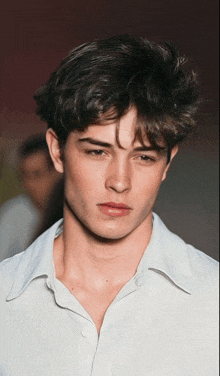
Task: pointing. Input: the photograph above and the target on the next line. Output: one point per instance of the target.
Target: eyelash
(96, 153)
(147, 158)
(101, 153)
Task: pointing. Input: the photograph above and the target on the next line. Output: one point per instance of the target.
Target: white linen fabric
(163, 322)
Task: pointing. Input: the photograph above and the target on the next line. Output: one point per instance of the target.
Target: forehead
(121, 132)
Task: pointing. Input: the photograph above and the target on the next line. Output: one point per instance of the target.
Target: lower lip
(114, 212)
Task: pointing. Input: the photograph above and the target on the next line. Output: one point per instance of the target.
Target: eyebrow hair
(94, 141)
(150, 148)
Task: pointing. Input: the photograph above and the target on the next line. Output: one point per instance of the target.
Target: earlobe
(54, 149)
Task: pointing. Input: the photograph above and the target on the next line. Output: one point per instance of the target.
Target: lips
(114, 209)
(115, 205)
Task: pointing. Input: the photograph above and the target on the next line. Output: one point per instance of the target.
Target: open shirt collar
(166, 253)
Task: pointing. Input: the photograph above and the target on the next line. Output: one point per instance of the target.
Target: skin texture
(94, 257)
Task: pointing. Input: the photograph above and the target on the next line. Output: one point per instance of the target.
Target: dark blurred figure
(25, 216)
(54, 209)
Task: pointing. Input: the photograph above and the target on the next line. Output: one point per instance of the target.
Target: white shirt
(163, 322)
(19, 220)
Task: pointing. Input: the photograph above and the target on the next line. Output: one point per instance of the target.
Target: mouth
(114, 209)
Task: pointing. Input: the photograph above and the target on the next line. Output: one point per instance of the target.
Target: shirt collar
(36, 261)
(166, 253)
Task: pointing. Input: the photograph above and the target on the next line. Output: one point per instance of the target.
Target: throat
(94, 298)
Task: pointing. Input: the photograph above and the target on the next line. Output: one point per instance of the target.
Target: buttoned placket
(84, 328)
(94, 343)
(101, 364)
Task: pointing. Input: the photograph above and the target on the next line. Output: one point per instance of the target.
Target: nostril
(120, 186)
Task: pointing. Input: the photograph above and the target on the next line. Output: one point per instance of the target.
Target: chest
(95, 301)
(143, 333)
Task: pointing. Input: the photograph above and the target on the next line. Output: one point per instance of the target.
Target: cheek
(146, 191)
(82, 179)
(149, 182)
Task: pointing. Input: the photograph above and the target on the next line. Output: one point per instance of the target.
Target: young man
(109, 290)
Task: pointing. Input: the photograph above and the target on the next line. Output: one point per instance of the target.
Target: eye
(146, 158)
(95, 152)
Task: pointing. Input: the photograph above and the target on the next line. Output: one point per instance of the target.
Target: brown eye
(146, 158)
(98, 152)
(95, 152)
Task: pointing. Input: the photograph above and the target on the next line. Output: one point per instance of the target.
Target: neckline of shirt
(166, 253)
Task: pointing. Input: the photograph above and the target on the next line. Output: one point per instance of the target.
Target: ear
(54, 149)
(173, 153)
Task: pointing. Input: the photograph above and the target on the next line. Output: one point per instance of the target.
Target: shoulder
(201, 270)
(21, 199)
(8, 268)
(204, 268)
(17, 205)
(188, 266)
(18, 271)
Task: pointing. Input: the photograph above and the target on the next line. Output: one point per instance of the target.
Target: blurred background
(36, 34)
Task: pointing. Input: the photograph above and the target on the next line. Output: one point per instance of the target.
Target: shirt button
(139, 281)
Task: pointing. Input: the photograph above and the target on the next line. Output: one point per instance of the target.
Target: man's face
(38, 178)
(110, 189)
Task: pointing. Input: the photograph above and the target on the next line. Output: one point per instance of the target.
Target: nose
(119, 176)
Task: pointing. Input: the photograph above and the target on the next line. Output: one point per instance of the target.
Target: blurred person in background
(25, 216)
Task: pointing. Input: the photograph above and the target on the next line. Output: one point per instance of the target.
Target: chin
(110, 237)
(110, 234)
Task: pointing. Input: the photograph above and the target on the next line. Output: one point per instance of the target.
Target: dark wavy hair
(102, 80)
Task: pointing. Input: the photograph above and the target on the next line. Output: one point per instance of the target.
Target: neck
(80, 255)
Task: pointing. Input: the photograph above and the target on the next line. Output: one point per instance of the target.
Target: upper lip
(115, 205)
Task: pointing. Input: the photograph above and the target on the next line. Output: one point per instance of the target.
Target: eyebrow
(150, 148)
(94, 141)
